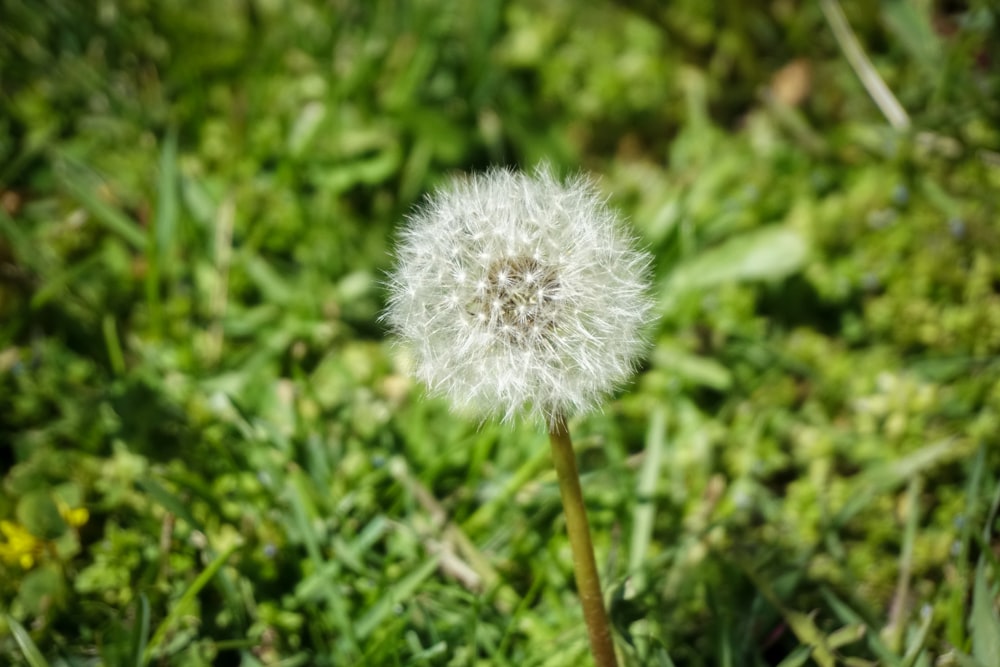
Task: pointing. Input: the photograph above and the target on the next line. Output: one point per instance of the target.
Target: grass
(210, 453)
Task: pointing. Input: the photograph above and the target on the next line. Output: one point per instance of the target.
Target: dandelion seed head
(519, 293)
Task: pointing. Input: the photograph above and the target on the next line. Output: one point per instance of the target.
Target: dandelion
(522, 294)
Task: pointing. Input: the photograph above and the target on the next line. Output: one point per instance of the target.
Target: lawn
(213, 451)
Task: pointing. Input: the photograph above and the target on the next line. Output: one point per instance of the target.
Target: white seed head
(519, 293)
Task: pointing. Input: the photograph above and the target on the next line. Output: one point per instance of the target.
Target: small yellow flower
(19, 546)
(73, 516)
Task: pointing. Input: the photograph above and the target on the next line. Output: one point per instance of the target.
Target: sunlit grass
(196, 208)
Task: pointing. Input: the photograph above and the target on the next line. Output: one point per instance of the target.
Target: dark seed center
(519, 299)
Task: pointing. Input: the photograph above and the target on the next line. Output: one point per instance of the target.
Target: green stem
(588, 583)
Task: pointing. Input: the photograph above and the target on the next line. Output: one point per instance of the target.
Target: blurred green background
(211, 454)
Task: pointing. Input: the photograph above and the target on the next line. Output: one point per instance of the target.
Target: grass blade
(645, 509)
(140, 635)
(185, 601)
(26, 644)
(166, 205)
(72, 180)
(403, 590)
(984, 623)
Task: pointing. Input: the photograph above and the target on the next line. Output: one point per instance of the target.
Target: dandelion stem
(584, 566)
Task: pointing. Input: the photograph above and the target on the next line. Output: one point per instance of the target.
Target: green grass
(211, 454)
